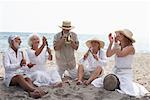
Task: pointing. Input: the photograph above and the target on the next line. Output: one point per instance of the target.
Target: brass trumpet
(68, 39)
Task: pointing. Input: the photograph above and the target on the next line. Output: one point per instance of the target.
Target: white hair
(31, 37)
(11, 38)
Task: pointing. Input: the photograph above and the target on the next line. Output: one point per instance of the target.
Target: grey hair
(30, 38)
(11, 38)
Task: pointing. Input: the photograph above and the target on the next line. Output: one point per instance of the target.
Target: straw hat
(111, 82)
(66, 25)
(88, 43)
(127, 33)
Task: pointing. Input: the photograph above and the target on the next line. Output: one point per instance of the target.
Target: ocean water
(82, 39)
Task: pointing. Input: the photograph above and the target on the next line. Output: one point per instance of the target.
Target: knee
(19, 77)
(28, 79)
(61, 71)
(80, 66)
(99, 69)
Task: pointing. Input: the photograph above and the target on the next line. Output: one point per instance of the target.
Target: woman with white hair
(15, 64)
(39, 73)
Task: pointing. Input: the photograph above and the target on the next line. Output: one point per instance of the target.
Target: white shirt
(91, 63)
(11, 64)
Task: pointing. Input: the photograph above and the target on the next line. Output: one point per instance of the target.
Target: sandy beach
(72, 91)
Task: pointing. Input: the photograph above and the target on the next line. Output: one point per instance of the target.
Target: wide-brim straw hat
(127, 33)
(111, 82)
(88, 42)
(66, 25)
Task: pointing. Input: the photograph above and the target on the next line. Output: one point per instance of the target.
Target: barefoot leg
(42, 92)
(80, 73)
(19, 80)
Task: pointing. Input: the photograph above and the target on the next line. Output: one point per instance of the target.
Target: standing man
(65, 43)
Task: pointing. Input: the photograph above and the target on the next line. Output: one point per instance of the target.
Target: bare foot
(42, 92)
(57, 85)
(76, 79)
(79, 82)
(67, 81)
(35, 94)
(86, 82)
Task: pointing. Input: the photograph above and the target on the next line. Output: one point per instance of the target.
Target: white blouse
(40, 73)
(39, 60)
(91, 63)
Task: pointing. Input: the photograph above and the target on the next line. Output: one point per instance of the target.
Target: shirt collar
(12, 51)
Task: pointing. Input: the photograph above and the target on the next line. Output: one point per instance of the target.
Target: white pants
(72, 72)
(45, 78)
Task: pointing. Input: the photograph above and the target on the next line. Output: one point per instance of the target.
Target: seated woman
(40, 74)
(122, 72)
(91, 65)
(15, 65)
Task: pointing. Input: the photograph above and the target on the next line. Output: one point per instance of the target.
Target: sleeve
(76, 39)
(30, 54)
(55, 40)
(84, 62)
(45, 54)
(27, 56)
(81, 61)
(7, 63)
(102, 59)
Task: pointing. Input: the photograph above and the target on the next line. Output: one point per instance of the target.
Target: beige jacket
(65, 56)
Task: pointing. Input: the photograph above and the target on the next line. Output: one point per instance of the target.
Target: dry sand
(72, 91)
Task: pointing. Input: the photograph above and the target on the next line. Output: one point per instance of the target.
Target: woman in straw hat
(122, 76)
(91, 65)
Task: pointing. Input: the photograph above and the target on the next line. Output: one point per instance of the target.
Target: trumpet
(68, 39)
